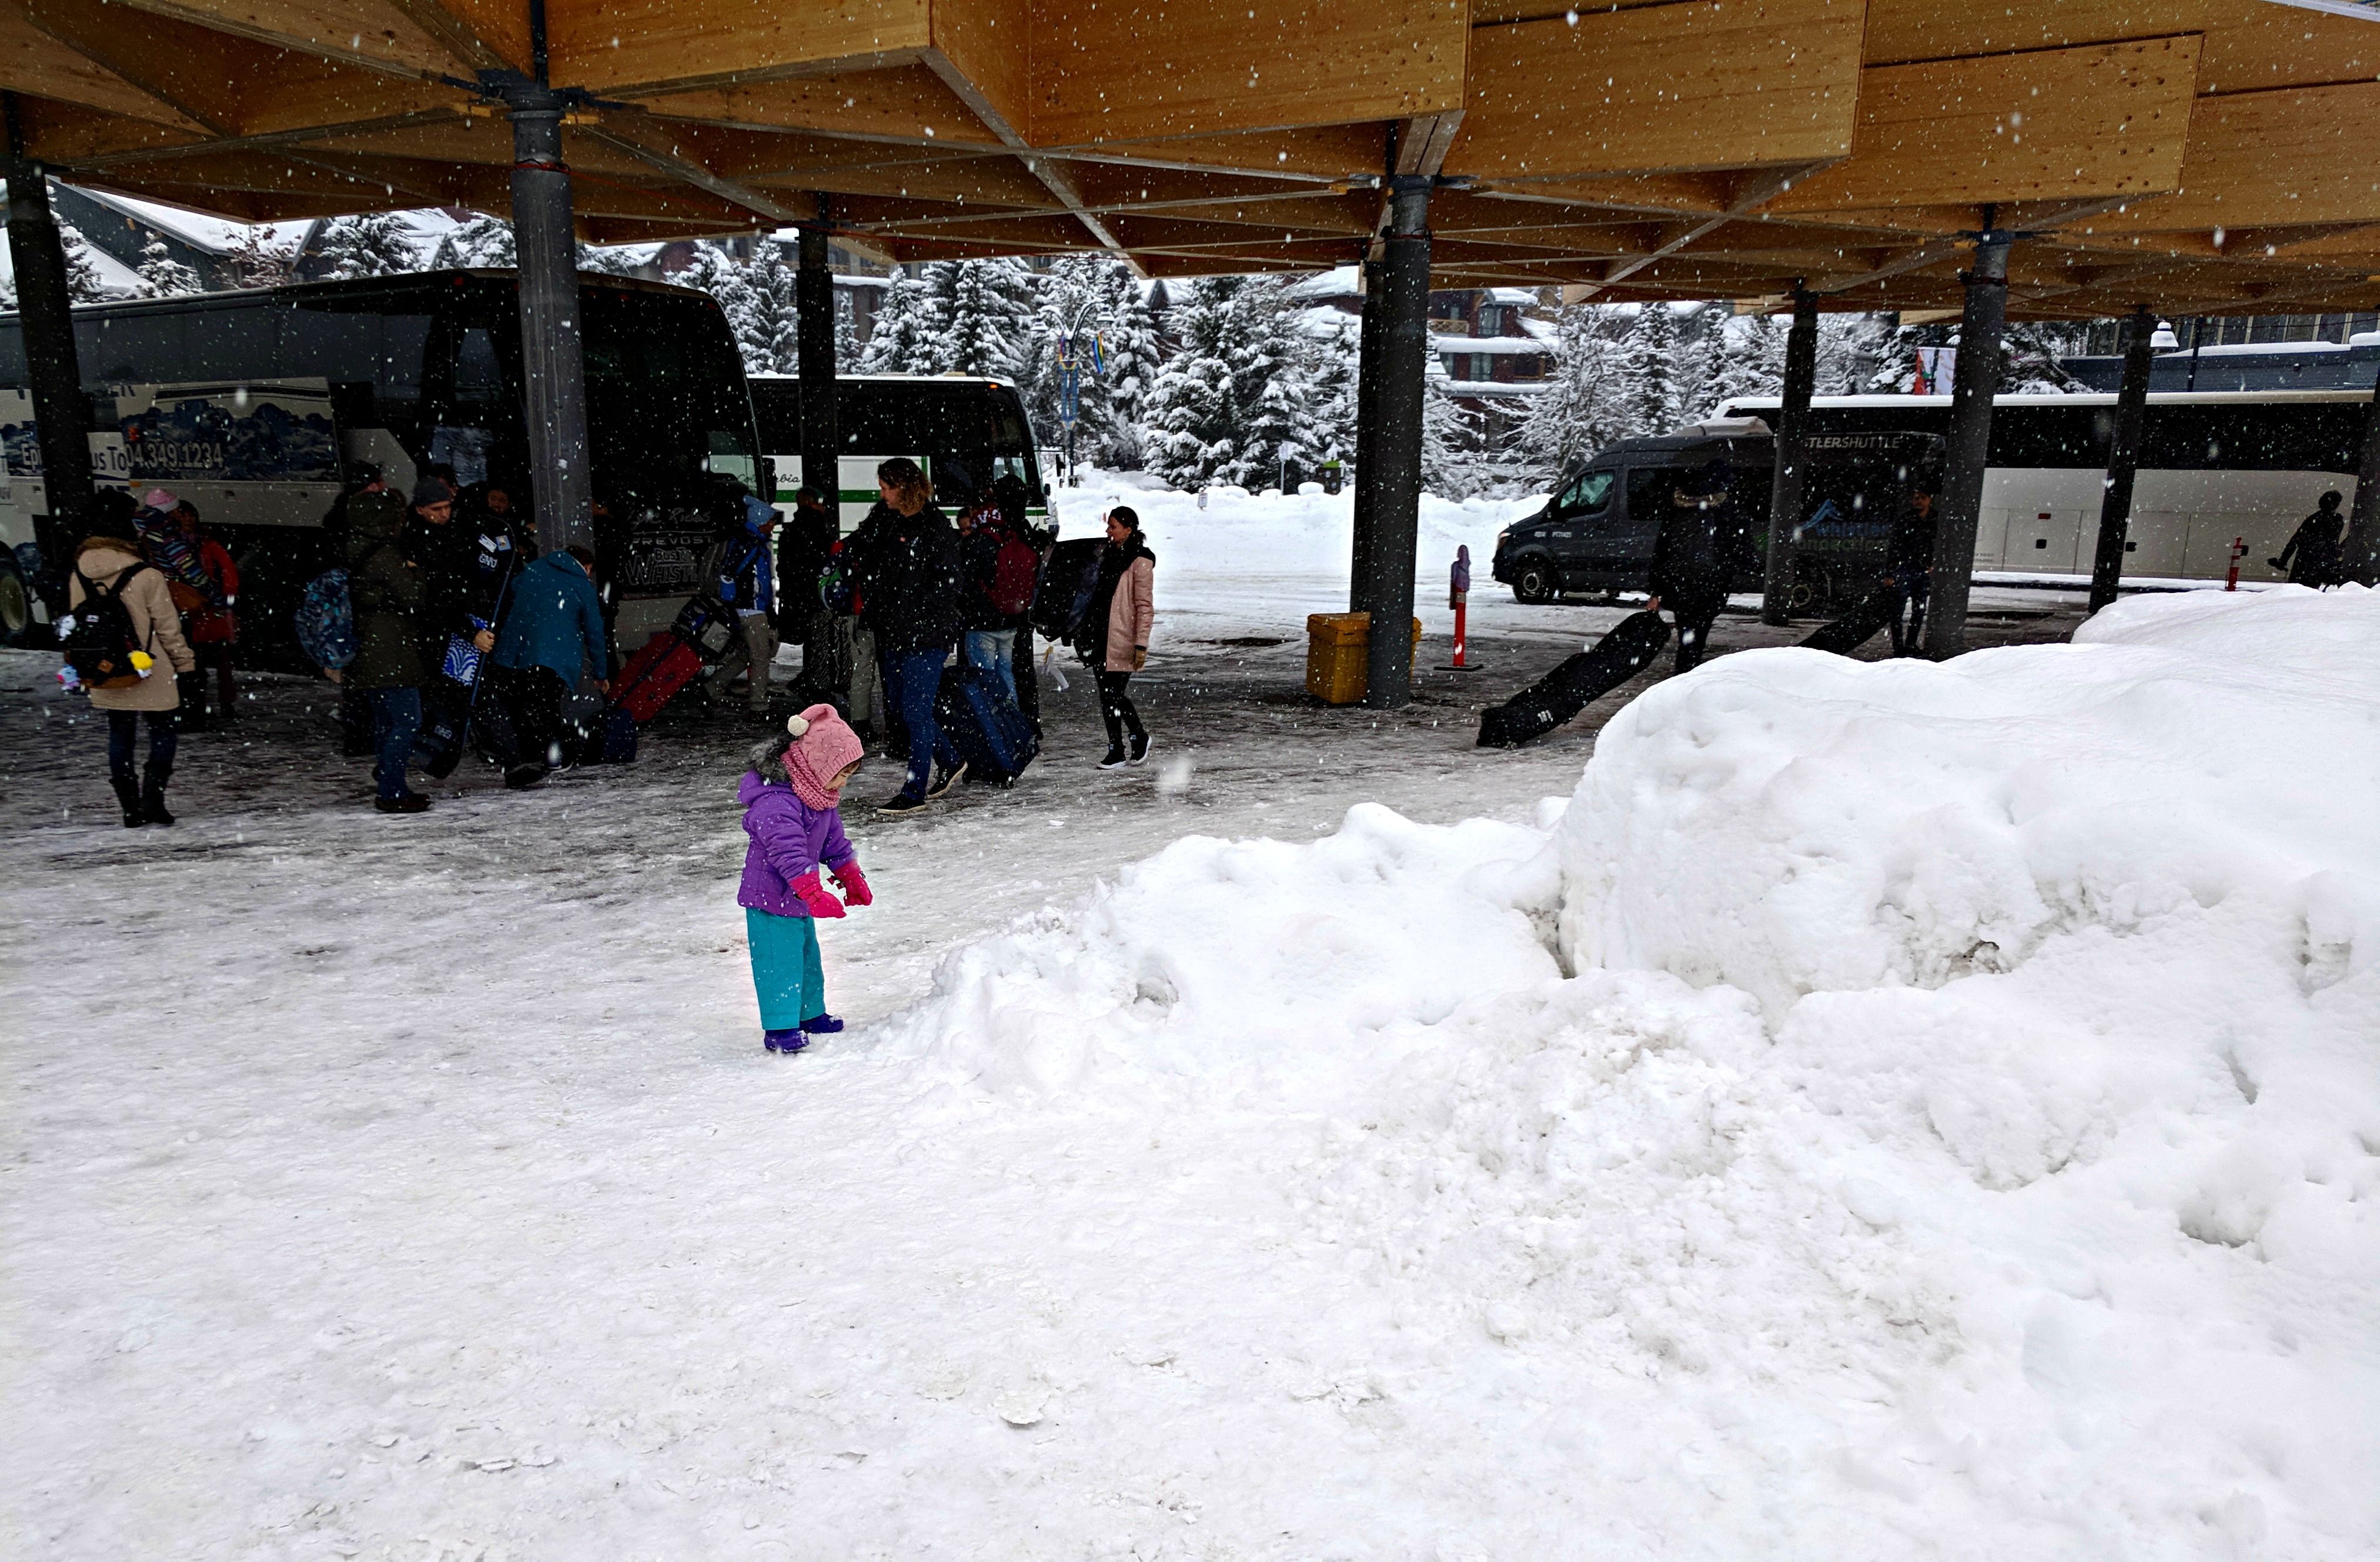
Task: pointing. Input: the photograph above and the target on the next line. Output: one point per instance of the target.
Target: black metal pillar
(1396, 495)
(44, 305)
(1368, 438)
(552, 356)
(1972, 384)
(1792, 430)
(2360, 558)
(2123, 457)
(814, 328)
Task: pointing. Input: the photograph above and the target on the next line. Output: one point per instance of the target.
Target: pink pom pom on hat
(159, 499)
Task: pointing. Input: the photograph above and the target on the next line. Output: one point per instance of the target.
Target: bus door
(1624, 546)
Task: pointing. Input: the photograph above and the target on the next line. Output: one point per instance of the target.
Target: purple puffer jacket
(789, 840)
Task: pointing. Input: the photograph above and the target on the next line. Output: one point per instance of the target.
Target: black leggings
(1116, 710)
(163, 735)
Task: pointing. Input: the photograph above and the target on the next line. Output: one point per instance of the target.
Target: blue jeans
(397, 721)
(913, 677)
(995, 652)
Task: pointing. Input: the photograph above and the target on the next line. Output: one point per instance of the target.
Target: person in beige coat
(1114, 637)
(103, 561)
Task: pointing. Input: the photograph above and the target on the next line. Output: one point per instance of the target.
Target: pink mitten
(812, 894)
(854, 884)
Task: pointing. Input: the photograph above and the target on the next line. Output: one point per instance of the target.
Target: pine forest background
(1229, 378)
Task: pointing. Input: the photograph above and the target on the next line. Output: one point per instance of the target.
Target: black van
(1597, 533)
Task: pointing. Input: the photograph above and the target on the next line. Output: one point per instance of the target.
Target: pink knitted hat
(823, 743)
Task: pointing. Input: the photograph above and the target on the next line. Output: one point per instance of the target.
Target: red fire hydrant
(2239, 552)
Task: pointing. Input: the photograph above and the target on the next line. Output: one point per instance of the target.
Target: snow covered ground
(1887, 1110)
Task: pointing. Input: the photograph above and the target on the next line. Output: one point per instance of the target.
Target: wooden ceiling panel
(1239, 65)
(2106, 119)
(1326, 152)
(383, 37)
(2255, 45)
(1899, 31)
(620, 45)
(1678, 87)
(33, 61)
(2272, 159)
(905, 103)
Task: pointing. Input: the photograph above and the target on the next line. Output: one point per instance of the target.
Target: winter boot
(787, 1042)
(821, 1025)
(153, 794)
(128, 792)
(1139, 743)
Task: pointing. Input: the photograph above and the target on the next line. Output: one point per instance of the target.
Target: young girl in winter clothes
(789, 797)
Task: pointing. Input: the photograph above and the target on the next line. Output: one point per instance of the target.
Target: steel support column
(1973, 384)
(2123, 457)
(1396, 495)
(814, 331)
(553, 360)
(1368, 438)
(2360, 559)
(54, 373)
(1792, 430)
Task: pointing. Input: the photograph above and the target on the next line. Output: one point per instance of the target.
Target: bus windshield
(664, 391)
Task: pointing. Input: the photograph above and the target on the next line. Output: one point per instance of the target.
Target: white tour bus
(2215, 466)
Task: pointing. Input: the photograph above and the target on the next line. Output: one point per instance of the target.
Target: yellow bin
(1335, 647)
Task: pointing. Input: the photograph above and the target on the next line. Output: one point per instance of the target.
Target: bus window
(664, 391)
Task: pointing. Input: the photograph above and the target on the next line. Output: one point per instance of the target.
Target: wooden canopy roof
(2197, 155)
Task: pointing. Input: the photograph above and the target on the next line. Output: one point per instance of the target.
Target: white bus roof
(2079, 398)
(898, 379)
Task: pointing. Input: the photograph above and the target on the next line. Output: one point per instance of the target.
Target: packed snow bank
(1963, 1123)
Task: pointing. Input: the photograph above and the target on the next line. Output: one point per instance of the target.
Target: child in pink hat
(791, 796)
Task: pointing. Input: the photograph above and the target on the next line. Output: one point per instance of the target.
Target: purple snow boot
(787, 1042)
(822, 1025)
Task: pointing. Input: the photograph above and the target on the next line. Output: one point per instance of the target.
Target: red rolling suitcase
(654, 674)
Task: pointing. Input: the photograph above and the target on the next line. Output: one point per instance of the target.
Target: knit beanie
(823, 743)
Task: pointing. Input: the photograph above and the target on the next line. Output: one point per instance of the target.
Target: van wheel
(1814, 594)
(17, 626)
(1538, 582)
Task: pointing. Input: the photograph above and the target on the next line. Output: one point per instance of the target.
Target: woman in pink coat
(1114, 637)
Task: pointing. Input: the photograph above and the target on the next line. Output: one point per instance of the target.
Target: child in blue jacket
(790, 797)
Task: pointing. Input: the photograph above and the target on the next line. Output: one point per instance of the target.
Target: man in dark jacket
(384, 592)
(2316, 547)
(1690, 557)
(1909, 560)
(552, 632)
(907, 575)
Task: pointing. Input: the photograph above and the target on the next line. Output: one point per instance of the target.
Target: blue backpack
(325, 621)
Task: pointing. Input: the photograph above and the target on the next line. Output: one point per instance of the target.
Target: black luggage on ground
(984, 725)
(1859, 625)
(1571, 686)
(446, 712)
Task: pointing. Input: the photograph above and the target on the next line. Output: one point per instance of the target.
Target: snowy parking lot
(1879, 1111)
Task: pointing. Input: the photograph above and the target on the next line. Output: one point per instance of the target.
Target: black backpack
(99, 641)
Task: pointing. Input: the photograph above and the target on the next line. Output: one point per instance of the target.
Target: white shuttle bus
(2216, 467)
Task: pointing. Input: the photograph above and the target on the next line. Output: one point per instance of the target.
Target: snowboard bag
(653, 675)
(984, 725)
(1859, 625)
(708, 625)
(446, 710)
(1577, 683)
(1064, 591)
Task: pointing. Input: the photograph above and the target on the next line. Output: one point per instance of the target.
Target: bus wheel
(1538, 582)
(1814, 594)
(17, 626)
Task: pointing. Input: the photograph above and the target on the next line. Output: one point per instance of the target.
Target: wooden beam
(265, 142)
(1099, 74)
(1682, 87)
(32, 61)
(632, 48)
(2108, 119)
(1422, 144)
(1314, 153)
(2254, 46)
(1753, 194)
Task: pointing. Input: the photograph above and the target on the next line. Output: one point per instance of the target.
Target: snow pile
(1964, 1123)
